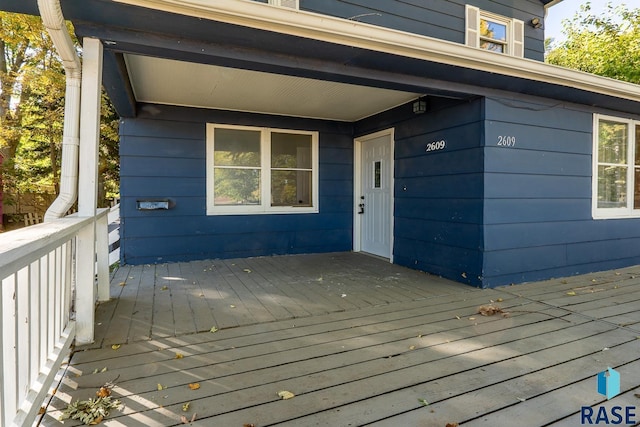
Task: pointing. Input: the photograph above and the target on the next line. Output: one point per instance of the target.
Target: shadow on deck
(357, 340)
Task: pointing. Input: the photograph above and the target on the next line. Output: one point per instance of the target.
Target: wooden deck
(358, 341)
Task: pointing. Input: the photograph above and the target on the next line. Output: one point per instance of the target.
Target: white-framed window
(616, 167)
(292, 4)
(493, 32)
(253, 170)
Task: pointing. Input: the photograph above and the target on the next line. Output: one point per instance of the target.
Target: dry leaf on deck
(194, 386)
(571, 293)
(185, 407)
(424, 402)
(115, 346)
(285, 394)
(160, 387)
(489, 310)
(103, 392)
(179, 356)
(213, 329)
(164, 288)
(452, 425)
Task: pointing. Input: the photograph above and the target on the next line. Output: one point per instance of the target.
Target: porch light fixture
(536, 23)
(420, 106)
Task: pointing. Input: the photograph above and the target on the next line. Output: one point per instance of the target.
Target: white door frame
(357, 186)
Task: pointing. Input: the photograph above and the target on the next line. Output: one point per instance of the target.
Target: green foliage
(607, 45)
(32, 91)
(91, 411)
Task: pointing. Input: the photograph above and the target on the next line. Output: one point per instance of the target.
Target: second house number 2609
(506, 141)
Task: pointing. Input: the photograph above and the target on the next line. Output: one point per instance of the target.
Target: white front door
(374, 197)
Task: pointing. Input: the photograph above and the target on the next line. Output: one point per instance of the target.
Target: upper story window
(494, 32)
(293, 4)
(616, 167)
(261, 170)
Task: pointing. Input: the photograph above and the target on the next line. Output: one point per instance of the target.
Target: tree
(607, 45)
(32, 88)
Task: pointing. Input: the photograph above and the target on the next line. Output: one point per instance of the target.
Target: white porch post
(87, 187)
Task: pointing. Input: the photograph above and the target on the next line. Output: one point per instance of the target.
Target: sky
(566, 9)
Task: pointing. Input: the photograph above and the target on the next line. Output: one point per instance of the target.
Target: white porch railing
(113, 219)
(39, 282)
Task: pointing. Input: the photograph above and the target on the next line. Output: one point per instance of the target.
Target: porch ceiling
(166, 81)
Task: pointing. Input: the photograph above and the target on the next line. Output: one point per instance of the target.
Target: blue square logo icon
(609, 383)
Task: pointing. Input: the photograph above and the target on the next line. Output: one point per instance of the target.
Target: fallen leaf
(564, 282)
(213, 329)
(179, 356)
(232, 306)
(489, 310)
(41, 410)
(122, 284)
(343, 295)
(104, 369)
(571, 293)
(160, 387)
(472, 318)
(419, 335)
(96, 421)
(116, 346)
(617, 274)
(413, 347)
(249, 425)
(185, 407)
(499, 300)
(95, 371)
(452, 425)
(521, 399)
(164, 288)
(246, 270)
(194, 386)
(285, 394)
(464, 275)
(637, 395)
(458, 317)
(424, 402)
(103, 392)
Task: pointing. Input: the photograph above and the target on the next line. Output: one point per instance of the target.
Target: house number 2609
(506, 141)
(436, 145)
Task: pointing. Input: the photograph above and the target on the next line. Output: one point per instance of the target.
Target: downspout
(53, 21)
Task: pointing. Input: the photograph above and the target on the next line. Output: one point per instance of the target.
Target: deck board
(359, 347)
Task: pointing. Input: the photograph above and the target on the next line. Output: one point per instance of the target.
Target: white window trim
(265, 174)
(291, 4)
(613, 213)
(515, 30)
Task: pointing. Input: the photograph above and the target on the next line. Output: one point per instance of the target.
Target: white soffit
(165, 81)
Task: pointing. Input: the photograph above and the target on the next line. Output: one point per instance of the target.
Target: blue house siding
(537, 213)
(443, 20)
(438, 194)
(163, 158)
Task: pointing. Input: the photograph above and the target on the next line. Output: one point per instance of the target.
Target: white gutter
(357, 34)
(53, 21)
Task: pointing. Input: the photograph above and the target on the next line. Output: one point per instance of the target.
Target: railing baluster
(10, 383)
(34, 320)
(22, 330)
